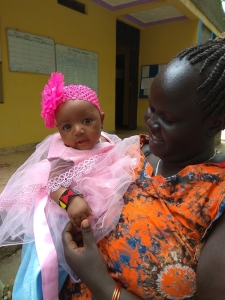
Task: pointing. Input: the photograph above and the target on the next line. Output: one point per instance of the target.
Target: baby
(77, 173)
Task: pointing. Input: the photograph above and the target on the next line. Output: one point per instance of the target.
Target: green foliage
(220, 3)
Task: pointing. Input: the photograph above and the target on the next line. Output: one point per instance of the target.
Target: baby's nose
(78, 129)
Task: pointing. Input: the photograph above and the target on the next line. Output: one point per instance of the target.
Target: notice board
(78, 66)
(30, 53)
(147, 75)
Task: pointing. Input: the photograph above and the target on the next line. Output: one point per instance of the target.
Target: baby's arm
(77, 208)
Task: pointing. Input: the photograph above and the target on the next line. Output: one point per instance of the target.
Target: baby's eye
(66, 127)
(87, 121)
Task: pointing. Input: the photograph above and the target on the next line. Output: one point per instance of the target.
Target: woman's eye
(151, 109)
(66, 127)
(164, 119)
(148, 112)
(87, 121)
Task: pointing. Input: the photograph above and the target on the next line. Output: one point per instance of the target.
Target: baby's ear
(217, 124)
(102, 115)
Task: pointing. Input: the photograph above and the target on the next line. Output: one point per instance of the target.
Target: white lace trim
(74, 174)
(25, 201)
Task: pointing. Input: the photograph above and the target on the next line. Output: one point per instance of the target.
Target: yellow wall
(159, 44)
(20, 121)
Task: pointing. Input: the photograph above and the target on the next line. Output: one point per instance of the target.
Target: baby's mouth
(81, 141)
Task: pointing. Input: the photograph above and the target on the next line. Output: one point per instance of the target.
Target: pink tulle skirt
(102, 174)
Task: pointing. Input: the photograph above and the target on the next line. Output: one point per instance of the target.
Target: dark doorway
(127, 62)
(120, 72)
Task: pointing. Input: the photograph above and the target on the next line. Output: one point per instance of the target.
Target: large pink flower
(52, 96)
(55, 93)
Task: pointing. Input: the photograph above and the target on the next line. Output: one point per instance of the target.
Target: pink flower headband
(55, 93)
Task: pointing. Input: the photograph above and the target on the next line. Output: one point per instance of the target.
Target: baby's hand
(78, 210)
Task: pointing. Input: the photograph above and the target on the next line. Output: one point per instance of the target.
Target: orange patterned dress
(155, 247)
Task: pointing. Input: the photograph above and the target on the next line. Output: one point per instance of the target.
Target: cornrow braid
(211, 54)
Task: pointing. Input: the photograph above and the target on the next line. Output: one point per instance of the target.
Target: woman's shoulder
(219, 159)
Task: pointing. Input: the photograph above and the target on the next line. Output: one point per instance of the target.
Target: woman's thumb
(85, 223)
(88, 238)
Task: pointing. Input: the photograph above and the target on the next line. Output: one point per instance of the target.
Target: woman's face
(174, 118)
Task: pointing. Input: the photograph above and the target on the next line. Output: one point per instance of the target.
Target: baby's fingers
(76, 222)
(78, 219)
(89, 211)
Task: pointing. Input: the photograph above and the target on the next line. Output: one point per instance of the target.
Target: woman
(176, 205)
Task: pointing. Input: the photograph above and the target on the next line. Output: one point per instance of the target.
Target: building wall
(20, 119)
(159, 44)
(20, 113)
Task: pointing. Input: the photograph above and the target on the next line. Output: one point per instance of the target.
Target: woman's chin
(156, 147)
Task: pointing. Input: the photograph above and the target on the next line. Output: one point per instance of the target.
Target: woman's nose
(151, 119)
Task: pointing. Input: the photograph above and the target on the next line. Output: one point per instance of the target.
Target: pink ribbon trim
(46, 252)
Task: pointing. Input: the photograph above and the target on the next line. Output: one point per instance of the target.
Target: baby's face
(79, 124)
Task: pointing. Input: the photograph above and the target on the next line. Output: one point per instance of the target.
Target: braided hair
(211, 56)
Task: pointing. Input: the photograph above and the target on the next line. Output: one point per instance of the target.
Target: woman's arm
(211, 266)
(88, 263)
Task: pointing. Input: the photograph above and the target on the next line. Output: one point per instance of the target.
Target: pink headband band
(55, 93)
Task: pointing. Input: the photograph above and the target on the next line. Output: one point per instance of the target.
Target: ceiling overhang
(145, 13)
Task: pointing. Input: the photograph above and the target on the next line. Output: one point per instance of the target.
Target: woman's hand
(87, 262)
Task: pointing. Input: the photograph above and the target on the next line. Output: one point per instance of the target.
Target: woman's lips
(155, 138)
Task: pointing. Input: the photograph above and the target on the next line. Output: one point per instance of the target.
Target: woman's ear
(217, 123)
